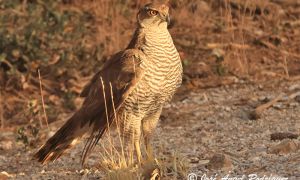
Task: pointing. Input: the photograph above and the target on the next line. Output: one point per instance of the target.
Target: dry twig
(284, 52)
(42, 97)
(1, 112)
(227, 45)
(258, 111)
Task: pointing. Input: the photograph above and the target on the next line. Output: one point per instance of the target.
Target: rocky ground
(211, 129)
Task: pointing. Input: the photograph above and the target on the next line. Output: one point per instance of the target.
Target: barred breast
(163, 73)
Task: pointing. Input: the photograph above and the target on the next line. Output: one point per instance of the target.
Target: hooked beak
(165, 18)
(168, 19)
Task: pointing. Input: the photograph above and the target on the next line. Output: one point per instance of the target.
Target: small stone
(283, 135)
(194, 160)
(21, 174)
(264, 99)
(227, 109)
(255, 159)
(260, 87)
(285, 147)
(294, 87)
(259, 149)
(6, 145)
(278, 106)
(254, 115)
(285, 98)
(297, 98)
(220, 161)
(294, 104)
(83, 171)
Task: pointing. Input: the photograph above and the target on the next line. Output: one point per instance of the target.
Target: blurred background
(220, 42)
(237, 55)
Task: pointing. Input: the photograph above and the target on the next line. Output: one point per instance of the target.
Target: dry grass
(118, 160)
(118, 164)
(43, 102)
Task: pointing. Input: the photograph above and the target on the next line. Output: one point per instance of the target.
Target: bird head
(155, 14)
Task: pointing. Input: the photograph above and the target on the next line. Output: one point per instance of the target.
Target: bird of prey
(131, 89)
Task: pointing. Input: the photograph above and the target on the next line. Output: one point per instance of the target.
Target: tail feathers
(49, 154)
(63, 139)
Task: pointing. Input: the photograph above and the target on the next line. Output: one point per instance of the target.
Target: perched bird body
(162, 76)
(130, 89)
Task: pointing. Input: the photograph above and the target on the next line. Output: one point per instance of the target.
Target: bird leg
(149, 150)
(138, 150)
(148, 125)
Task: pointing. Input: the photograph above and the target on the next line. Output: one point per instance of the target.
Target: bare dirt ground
(197, 125)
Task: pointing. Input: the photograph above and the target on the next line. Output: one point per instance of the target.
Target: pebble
(220, 162)
(83, 171)
(297, 98)
(255, 159)
(294, 104)
(285, 147)
(6, 145)
(278, 106)
(294, 87)
(264, 99)
(194, 160)
(227, 109)
(259, 149)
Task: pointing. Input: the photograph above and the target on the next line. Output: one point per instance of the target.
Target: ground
(196, 126)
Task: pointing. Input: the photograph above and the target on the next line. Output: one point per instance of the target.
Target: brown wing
(109, 88)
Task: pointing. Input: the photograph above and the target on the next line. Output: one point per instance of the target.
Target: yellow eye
(152, 12)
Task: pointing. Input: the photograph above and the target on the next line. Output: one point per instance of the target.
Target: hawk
(130, 89)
